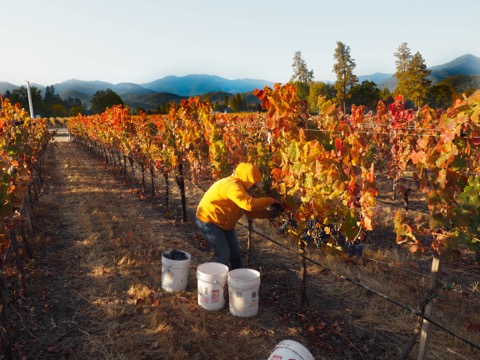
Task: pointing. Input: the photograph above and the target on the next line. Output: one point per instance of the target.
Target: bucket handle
(225, 289)
(168, 268)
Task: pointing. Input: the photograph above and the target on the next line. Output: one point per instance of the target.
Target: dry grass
(95, 289)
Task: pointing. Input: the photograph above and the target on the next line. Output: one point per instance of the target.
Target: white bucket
(212, 281)
(243, 286)
(291, 350)
(175, 273)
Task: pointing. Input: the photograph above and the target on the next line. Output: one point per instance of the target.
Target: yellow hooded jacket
(227, 200)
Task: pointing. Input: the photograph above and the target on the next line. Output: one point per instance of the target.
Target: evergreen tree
(225, 101)
(343, 68)
(51, 100)
(402, 63)
(440, 96)
(417, 80)
(412, 75)
(300, 69)
(104, 99)
(20, 96)
(367, 93)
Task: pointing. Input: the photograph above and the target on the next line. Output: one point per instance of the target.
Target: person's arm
(258, 214)
(237, 193)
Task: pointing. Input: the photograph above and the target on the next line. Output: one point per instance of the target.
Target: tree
(300, 69)
(104, 99)
(343, 68)
(75, 110)
(367, 93)
(51, 97)
(318, 88)
(237, 103)
(417, 80)
(225, 101)
(20, 96)
(402, 63)
(303, 89)
(58, 110)
(412, 75)
(50, 100)
(440, 96)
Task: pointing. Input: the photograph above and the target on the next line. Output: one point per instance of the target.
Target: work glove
(276, 209)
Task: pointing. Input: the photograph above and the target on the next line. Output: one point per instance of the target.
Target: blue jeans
(223, 242)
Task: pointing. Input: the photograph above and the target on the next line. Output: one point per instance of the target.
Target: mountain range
(465, 67)
(463, 71)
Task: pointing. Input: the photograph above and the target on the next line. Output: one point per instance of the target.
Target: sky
(50, 41)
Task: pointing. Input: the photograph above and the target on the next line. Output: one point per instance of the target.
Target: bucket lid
(212, 268)
(297, 348)
(244, 274)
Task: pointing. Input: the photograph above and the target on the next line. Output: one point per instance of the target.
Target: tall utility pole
(30, 104)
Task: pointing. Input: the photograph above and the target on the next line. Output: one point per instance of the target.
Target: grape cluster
(275, 210)
(314, 232)
(289, 224)
(175, 255)
(350, 248)
(319, 234)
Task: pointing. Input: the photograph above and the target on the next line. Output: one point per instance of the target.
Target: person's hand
(276, 209)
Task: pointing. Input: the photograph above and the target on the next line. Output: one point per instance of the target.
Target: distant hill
(152, 100)
(162, 91)
(192, 85)
(462, 73)
(462, 83)
(88, 88)
(377, 78)
(6, 86)
(465, 65)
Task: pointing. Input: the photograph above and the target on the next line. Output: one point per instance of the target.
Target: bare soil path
(94, 286)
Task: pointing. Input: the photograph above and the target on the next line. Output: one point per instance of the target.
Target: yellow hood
(248, 173)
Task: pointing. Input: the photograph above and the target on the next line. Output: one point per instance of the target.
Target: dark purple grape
(175, 255)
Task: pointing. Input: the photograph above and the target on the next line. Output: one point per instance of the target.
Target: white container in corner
(243, 292)
(212, 283)
(175, 273)
(291, 350)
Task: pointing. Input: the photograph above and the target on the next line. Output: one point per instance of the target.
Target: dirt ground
(94, 284)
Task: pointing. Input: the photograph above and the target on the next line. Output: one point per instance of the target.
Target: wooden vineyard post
(5, 331)
(249, 241)
(181, 185)
(303, 274)
(142, 168)
(152, 182)
(21, 271)
(167, 189)
(130, 160)
(28, 213)
(425, 332)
